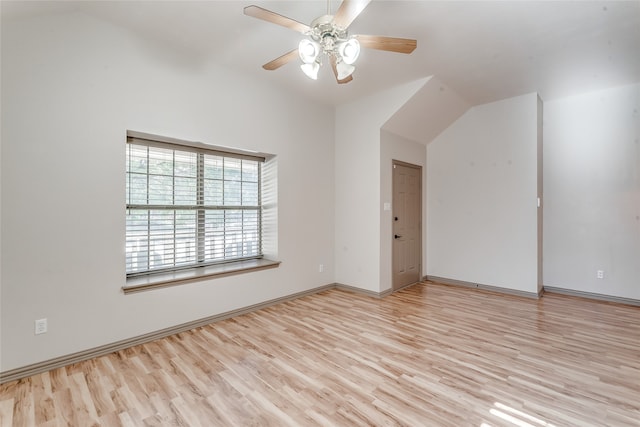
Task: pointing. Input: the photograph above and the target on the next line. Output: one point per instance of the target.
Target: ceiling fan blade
(348, 11)
(281, 60)
(267, 15)
(391, 44)
(334, 67)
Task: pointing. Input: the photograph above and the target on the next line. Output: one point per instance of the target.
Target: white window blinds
(189, 206)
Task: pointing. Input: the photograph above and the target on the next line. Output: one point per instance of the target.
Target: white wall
(395, 147)
(429, 112)
(357, 190)
(72, 86)
(67, 101)
(592, 192)
(482, 197)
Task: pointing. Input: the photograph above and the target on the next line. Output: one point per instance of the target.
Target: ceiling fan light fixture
(344, 70)
(349, 50)
(308, 50)
(311, 70)
(328, 35)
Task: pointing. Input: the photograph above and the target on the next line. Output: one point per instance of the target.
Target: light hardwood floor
(429, 355)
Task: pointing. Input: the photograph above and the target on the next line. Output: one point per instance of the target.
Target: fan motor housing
(326, 32)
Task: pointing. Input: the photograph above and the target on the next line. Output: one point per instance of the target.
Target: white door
(407, 224)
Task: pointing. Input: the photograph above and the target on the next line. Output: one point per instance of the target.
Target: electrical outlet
(600, 274)
(320, 268)
(41, 326)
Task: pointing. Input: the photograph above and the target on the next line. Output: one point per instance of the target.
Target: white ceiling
(482, 50)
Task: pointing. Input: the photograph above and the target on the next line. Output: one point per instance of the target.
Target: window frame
(164, 276)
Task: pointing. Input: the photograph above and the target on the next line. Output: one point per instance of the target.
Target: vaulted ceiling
(484, 51)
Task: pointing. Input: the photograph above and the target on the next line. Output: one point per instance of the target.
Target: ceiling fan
(328, 35)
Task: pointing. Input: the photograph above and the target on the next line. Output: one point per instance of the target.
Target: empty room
(320, 213)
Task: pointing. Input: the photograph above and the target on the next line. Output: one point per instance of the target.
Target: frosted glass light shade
(349, 51)
(311, 70)
(344, 70)
(308, 50)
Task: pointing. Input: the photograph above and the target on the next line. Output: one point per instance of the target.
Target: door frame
(394, 162)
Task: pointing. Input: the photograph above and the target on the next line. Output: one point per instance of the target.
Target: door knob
(397, 236)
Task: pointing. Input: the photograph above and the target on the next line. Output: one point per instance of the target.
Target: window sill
(173, 278)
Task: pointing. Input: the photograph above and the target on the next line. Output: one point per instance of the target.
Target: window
(190, 206)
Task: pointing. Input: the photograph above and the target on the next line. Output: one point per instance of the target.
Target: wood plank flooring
(429, 355)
